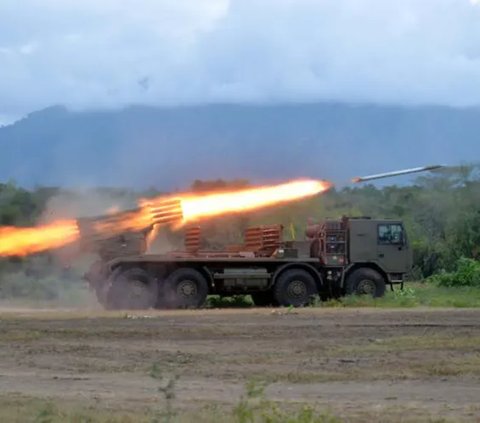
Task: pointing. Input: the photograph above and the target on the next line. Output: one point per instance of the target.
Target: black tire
(295, 287)
(184, 288)
(263, 299)
(366, 281)
(132, 289)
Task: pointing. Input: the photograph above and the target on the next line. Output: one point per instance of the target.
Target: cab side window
(390, 234)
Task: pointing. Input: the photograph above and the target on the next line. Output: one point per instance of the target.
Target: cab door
(393, 252)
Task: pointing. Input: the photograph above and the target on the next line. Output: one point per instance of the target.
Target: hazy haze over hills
(169, 147)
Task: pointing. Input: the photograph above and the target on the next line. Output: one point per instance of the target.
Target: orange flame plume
(25, 241)
(216, 204)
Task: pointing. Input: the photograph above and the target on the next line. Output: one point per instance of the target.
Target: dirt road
(361, 364)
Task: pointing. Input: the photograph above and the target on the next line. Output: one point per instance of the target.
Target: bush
(235, 301)
(466, 274)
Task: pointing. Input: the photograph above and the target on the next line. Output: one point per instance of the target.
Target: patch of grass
(411, 343)
(253, 407)
(166, 388)
(17, 335)
(19, 409)
(415, 295)
(307, 377)
(468, 365)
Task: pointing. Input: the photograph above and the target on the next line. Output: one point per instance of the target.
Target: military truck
(345, 256)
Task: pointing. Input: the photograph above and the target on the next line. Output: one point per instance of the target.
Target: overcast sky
(110, 53)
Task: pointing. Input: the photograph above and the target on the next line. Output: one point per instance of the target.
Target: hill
(169, 147)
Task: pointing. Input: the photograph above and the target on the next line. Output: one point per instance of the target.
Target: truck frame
(337, 257)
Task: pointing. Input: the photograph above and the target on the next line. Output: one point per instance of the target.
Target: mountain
(169, 147)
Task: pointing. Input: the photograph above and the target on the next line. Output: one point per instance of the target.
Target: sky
(94, 54)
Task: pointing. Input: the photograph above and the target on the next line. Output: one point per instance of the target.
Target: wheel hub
(138, 288)
(187, 289)
(297, 289)
(366, 287)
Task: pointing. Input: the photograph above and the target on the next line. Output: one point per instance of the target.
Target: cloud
(96, 54)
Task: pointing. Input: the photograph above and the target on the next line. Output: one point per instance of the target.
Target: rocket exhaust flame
(153, 213)
(217, 204)
(25, 241)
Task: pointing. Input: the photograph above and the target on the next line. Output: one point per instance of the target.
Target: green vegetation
(236, 301)
(253, 407)
(467, 273)
(416, 295)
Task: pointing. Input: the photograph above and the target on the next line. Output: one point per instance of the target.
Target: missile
(396, 173)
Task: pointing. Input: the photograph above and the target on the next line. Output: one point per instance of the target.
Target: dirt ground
(359, 364)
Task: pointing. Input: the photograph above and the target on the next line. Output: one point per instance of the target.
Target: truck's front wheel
(365, 281)
(184, 288)
(294, 287)
(132, 289)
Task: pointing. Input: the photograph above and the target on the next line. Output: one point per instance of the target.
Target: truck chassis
(272, 271)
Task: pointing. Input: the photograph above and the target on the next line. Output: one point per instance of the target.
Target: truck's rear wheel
(263, 299)
(366, 281)
(132, 289)
(184, 288)
(294, 287)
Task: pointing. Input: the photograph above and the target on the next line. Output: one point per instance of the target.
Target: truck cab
(344, 245)
(383, 242)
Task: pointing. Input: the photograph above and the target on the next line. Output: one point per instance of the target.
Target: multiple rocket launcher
(165, 212)
(127, 232)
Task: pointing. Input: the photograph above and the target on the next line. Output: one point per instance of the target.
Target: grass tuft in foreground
(253, 407)
(416, 295)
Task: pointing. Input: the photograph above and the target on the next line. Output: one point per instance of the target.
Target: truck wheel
(184, 288)
(295, 288)
(132, 289)
(263, 299)
(366, 281)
